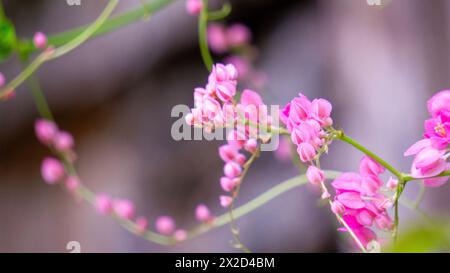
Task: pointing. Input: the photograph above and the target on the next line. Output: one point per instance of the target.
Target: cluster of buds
(306, 121)
(247, 122)
(360, 202)
(432, 152)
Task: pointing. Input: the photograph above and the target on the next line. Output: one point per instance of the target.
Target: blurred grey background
(378, 66)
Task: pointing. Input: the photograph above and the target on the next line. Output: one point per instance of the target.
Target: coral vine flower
(359, 201)
(40, 40)
(52, 170)
(306, 120)
(430, 153)
(103, 203)
(202, 213)
(165, 225)
(124, 208)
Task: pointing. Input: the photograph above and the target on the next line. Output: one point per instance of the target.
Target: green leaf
(8, 39)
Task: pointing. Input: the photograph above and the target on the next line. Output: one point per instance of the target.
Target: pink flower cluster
(432, 152)
(306, 120)
(215, 107)
(359, 201)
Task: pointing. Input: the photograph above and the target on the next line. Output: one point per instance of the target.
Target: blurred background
(378, 66)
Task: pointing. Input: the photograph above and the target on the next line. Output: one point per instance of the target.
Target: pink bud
(202, 213)
(72, 183)
(306, 151)
(322, 111)
(165, 225)
(40, 40)
(193, 7)
(325, 195)
(124, 208)
(217, 38)
(240, 159)
(227, 152)
(180, 235)
(52, 170)
(238, 35)
(225, 91)
(251, 145)
(225, 201)
(63, 141)
(351, 200)
(232, 169)
(337, 207)
(103, 203)
(229, 184)
(45, 131)
(315, 175)
(141, 224)
(392, 183)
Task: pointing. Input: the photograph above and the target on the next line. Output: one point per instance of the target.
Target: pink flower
(103, 203)
(40, 40)
(227, 153)
(165, 225)
(225, 201)
(141, 224)
(52, 170)
(251, 145)
(315, 175)
(298, 110)
(427, 163)
(392, 183)
(368, 166)
(321, 111)
(347, 182)
(202, 213)
(306, 151)
(124, 208)
(417, 147)
(438, 131)
(232, 169)
(45, 131)
(439, 103)
(72, 183)
(180, 235)
(238, 35)
(63, 141)
(193, 7)
(351, 200)
(250, 97)
(217, 39)
(229, 184)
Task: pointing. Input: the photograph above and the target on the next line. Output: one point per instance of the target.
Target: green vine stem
(234, 228)
(50, 53)
(203, 36)
(111, 24)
